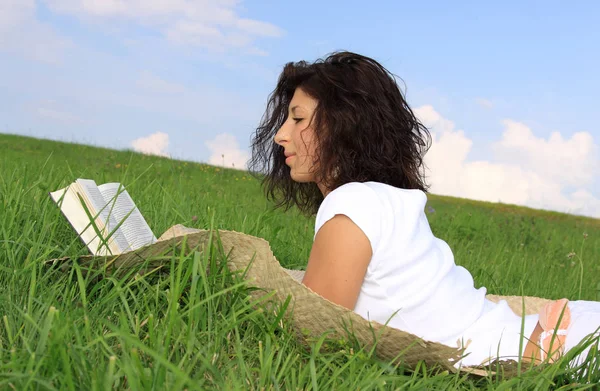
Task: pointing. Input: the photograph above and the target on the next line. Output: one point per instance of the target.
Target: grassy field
(188, 330)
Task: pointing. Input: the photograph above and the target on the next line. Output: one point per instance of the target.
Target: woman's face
(297, 137)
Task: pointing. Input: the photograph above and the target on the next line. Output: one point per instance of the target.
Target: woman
(339, 140)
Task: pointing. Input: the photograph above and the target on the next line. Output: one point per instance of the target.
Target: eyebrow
(294, 108)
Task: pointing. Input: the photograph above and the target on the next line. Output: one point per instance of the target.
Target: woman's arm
(338, 261)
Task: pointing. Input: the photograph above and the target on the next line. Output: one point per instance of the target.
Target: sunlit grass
(193, 325)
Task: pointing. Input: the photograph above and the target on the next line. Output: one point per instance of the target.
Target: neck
(324, 189)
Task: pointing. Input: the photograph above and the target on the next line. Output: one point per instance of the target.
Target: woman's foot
(549, 333)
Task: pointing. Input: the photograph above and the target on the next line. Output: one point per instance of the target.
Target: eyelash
(297, 119)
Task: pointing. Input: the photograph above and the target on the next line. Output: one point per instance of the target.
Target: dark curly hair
(364, 131)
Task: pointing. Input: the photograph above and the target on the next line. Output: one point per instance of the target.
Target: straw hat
(311, 314)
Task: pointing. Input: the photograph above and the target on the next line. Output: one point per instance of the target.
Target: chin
(302, 178)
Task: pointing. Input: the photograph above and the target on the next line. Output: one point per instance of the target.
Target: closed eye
(297, 119)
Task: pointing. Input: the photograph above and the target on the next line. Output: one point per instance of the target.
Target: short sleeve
(358, 202)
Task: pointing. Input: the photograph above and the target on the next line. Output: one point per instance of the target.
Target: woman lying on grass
(338, 139)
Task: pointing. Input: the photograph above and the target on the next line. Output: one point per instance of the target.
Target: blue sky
(509, 89)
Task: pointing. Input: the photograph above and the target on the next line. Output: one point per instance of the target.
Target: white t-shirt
(414, 273)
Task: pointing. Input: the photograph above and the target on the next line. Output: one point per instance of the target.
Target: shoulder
(365, 191)
(358, 201)
(373, 195)
(353, 195)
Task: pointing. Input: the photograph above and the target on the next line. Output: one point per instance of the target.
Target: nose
(281, 135)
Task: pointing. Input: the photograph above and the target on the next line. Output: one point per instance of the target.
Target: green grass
(194, 327)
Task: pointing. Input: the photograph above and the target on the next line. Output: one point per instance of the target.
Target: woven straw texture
(310, 313)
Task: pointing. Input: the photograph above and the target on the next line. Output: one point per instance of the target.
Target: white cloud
(527, 170)
(15, 12)
(21, 33)
(258, 28)
(485, 103)
(151, 82)
(448, 151)
(574, 161)
(154, 144)
(213, 24)
(225, 150)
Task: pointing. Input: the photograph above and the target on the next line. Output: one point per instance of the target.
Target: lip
(287, 159)
(287, 154)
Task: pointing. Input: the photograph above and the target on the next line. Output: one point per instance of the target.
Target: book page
(70, 206)
(134, 228)
(117, 241)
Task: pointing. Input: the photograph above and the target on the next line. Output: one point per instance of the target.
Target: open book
(105, 217)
